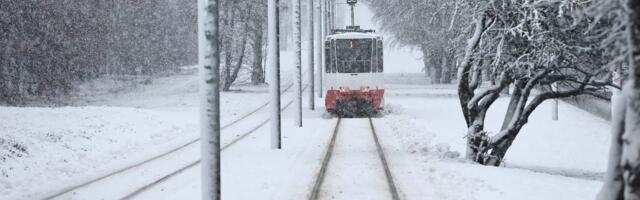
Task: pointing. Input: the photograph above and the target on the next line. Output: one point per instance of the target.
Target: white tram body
(353, 72)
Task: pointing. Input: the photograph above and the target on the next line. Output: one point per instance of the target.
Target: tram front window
(354, 55)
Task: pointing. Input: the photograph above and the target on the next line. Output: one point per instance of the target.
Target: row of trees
(561, 48)
(525, 45)
(436, 28)
(48, 46)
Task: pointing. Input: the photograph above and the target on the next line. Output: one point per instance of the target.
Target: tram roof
(353, 35)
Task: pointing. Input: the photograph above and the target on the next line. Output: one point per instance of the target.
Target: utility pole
(209, 59)
(554, 107)
(352, 3)
(615, 92)
(310, 16)
(319, 29)
(333, 14)
(297, 40)
(329, 14)
(273, 53)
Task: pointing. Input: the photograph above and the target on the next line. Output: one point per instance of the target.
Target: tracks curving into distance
(169, 152)
(315, 193)
(194, 164)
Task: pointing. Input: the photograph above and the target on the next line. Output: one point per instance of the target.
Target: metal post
(554, 107)
(297, 38)
(320, 20)
(209, 59)
(274, 65)
(310, 16)
(329, 16)
(353, 16)
(334, 14)
(615, 92)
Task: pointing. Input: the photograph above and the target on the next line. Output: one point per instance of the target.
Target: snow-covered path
(355, 169)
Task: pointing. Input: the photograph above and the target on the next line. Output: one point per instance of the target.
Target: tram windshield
(354, 55)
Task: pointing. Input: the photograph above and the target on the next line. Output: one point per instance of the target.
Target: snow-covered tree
(434, 27)
(527, 44)
(243, 34)
(531, 45)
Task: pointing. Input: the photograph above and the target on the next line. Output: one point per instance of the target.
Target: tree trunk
(425, 60)
(448, 64)
(515, 97)
(236, 69)
(623, 175)
(613, 187)
(474, 139)
(227, 48)
(465, 92)
(436, 73)
(257, 73)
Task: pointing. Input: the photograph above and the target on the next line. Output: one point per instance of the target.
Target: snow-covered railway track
(168, 176)
(167, 155)
(355, 165)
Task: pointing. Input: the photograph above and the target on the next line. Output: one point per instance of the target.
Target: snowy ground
(108, 125)
(417, 134)
(47, 149)
(550, 160)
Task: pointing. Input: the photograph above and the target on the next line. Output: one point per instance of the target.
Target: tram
(353, 72)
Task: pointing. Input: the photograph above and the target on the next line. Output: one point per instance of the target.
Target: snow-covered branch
(503, 83)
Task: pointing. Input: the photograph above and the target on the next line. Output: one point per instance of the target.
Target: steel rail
(148, 160)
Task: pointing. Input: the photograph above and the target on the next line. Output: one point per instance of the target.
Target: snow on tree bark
(209, 55)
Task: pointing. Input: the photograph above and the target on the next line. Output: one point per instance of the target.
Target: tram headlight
(344, 89)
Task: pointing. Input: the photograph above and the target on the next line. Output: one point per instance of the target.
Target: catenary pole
(333, 14)
(310, 55)
(353, 17)
(209, 60)
(554, 106)
(319, 19)
(274, 67)
(297, 40)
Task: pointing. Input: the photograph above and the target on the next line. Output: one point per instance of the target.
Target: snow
(71, 141)
(422, 133)
(542, 142)
(282, 174)
(354, 171)
(108, 127)
(422, 153)
(431, 129)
